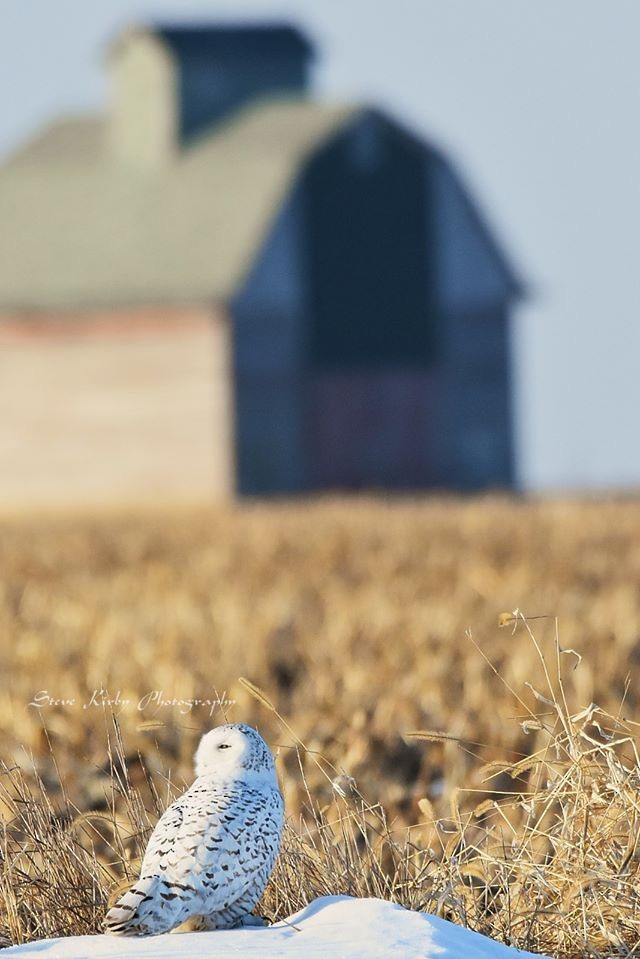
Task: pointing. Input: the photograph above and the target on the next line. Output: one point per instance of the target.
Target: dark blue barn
(371, 336)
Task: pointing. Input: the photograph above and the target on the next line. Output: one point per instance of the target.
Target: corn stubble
(433, 749)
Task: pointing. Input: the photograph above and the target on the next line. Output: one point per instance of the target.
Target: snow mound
(334, 925)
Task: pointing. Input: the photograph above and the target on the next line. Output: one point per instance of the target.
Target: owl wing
(237, 855)
(212, 847)
(148, 906)
(164, 835)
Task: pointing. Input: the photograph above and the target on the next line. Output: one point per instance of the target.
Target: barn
(222, 286)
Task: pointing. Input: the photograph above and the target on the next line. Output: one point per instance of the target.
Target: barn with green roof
(222, 286)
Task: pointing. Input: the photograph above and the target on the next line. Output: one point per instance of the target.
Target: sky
(537, 104)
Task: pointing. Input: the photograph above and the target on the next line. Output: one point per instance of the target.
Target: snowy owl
(212, 851)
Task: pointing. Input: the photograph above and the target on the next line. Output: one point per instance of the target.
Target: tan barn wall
(114, 405)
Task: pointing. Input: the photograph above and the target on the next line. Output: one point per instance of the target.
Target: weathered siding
(269, 329)
(469, 270)
(110, 405)
(480, 399)
(372, 429)
(474, 287)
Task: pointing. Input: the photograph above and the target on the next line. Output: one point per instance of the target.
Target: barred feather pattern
(213, 850)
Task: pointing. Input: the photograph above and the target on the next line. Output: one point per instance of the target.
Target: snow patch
(334, 925)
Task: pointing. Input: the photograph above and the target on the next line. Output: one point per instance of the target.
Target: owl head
(234, 751)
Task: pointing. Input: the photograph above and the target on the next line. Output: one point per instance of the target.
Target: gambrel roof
(78, 229)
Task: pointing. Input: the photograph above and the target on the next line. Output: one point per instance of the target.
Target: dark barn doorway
(372, 331)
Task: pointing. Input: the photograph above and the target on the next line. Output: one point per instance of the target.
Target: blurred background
(420, 224)
(257, 256)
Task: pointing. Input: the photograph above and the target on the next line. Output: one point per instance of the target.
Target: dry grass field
(516, 811)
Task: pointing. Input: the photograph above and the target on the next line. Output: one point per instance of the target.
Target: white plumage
(212, 851)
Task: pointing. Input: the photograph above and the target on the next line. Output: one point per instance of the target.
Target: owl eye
(224, 746)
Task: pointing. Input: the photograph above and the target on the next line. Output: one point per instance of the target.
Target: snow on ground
(334, 926)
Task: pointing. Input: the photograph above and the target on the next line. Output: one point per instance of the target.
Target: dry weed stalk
(554, 866)
(58, 864)
(356, 628)
(551, 865)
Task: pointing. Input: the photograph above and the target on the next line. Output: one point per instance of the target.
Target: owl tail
(128, 914)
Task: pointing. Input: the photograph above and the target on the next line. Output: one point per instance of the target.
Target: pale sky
(538, 105)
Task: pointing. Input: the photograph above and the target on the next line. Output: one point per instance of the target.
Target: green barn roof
(80, 229)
